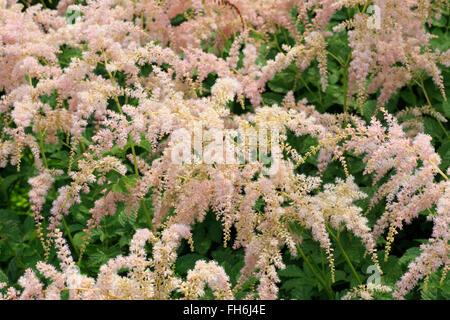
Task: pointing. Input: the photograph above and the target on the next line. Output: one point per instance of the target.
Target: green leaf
(436, 290)
(187, 262)
(9, 225)
(446, 107)
(130, 181)
(409, 97)
(30, 252)
(202, 246)
(302, 293)
(123, 218)
(296, 283)
(271, 98)
(444, 152)
(355, 165)
(61, 155)
(409, 256)
(78, 238)
(292, 284)
(340, 275)
(282, 82)
(214, 231)
(145, 145)
(369, 108)
(3, 277)
(98, 258)
(235, 272)
(225, 254)
(120, 187)
(442, 22)
(432, 127)
(124, 241)
(291, 271)
(178, 19)
(257, 35)
(7, 181)
(67, 54)
(28, 227)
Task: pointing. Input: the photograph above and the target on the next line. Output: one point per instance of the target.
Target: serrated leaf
(446, 108)
(187, 262)
(120, 187)
(97, 259)
(297, 283)
(3, 277)
(7, 181)
(61, 155)
(124, 241)
(291, 271)
(146, 145)
(271, 98)
(432, 127)
(444, 152)
(340, 275)
(435, 289)
(409, 97)
(282, 82)
(9, 225)
(409, 256)
(302, 293)
(369, 109)
(291, 284)
(78, 238)
(214, 232)
(123, 217)
(225, 254)
(202, 246)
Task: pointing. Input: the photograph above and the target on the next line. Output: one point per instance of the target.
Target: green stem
(336, 58)
(277, 44)
(66, 227)
(41, 146)
(422, 86)
(322, 282)
(345, 89)
(285, 35)
(346, 83)
(365, 6)
(345, 255)
(303, 81)
(321, 271)
(133, 151)
(218, 28)
(119, 107)
(83, 148)
(319, 100)
(328, 289)
(147, 215)
(69, 234)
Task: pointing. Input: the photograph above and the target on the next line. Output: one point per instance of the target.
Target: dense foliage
(98, 96)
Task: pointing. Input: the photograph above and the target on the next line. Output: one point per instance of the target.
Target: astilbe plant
(138, 79)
